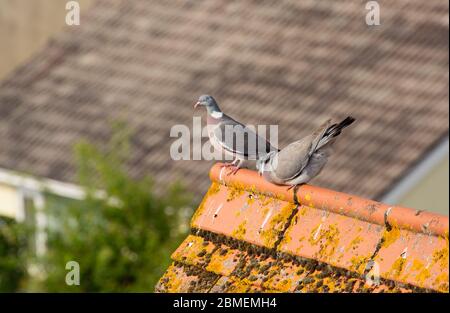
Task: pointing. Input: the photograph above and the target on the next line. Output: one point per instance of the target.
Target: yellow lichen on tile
(330, 283)
(282, 285)
(327, 238)
(265, 200)
(213, 189)
(441, 282)
(194, 250)
(303, 210)
(440, 256)
(189, 250)
(251, 199)
(349, 249)
(265, 211)
(286, 240)
(390, 236)
(235, 190)
(171, 281)
(423, 272)
(276, 225)
(397, 268)
(238, 286)
(359, 263)
(300, 245)
(355, 243)
(223, 261)
(287, 237)
(240, 231)
(215, 265)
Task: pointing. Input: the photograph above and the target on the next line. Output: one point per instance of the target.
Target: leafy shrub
(122, 238)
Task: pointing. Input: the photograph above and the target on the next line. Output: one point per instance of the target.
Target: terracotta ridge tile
(245, 215)
(338, 202)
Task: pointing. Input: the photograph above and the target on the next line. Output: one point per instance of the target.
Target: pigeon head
(208, 102)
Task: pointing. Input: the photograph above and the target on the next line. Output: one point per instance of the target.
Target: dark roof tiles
(294, 64)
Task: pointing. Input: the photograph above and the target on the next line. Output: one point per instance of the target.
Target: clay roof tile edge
(338, 202)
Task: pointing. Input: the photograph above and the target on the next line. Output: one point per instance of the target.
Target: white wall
(10, 202)
(431, 192)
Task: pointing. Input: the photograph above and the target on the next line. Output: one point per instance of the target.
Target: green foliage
(12, 242)
(121, 237)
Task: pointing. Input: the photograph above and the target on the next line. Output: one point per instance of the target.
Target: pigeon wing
(318, 134)
(239, 139)
(296, 156)
(291, 160)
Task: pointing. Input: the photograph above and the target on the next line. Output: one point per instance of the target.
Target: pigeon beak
(196, 105)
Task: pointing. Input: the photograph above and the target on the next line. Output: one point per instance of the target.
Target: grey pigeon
(231, 137)
(304, 159)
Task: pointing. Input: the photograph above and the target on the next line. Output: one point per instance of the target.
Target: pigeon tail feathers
(334, 131)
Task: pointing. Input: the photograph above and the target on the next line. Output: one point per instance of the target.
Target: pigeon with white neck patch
(231, 137)
(304, 159)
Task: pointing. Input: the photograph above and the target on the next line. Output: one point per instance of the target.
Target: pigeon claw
(227, 165)
(233, 171)
(291, 186)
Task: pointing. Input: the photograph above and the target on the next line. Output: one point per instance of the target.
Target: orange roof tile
(251, 236)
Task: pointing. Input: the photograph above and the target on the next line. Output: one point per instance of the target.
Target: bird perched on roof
(304, 159)
(232, 137)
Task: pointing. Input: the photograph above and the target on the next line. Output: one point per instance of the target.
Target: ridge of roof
(338, 202)
(248, 235)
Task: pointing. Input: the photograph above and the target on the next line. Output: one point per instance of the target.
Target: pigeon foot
(292, 186)
(227, 165)
(235, 170)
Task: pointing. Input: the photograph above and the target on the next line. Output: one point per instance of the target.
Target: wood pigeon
(231, 137)
(304, 159)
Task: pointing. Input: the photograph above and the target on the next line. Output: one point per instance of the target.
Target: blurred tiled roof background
(287, 62)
